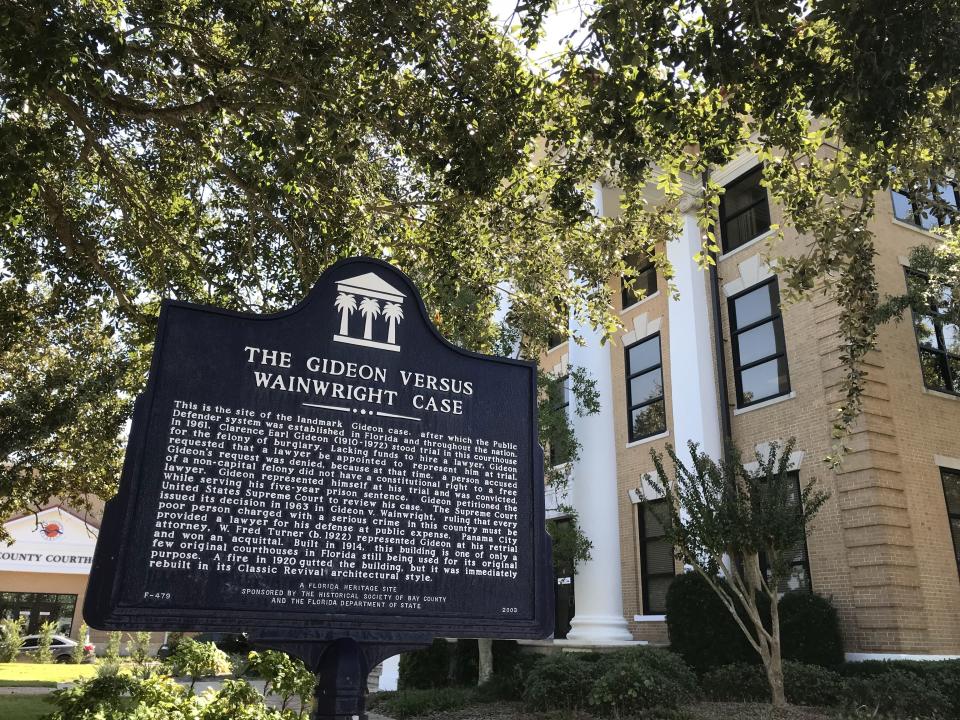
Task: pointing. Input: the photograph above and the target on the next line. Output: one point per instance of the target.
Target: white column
(389, 673)
(693, 381)
(597, 584)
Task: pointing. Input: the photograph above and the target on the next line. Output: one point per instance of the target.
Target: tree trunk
(485, 666)
(775, 665)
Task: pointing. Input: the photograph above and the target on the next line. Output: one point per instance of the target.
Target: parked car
(230, 643)
(61, 647)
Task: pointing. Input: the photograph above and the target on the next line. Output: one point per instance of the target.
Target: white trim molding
(640, 302)
(753, 270)
(562, 367)
(642, 327)
(649, 618)
(649, 439)
(861, 657)
(794, 462)
(749, 244)
(646, 491)
(735, 168)
(946, 462)
(766, 403)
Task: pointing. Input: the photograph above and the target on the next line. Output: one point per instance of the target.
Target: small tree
(81, 649)
(47, 630)
(197, 660)
(284, 676)
(140, 647)
(11, 638)
(112, 653)
(724, 517)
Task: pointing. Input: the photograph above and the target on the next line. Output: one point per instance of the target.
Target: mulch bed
(698, 711)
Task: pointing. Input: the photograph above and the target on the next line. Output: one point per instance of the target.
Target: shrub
(810, 629)
(898, 693)
(112, 651)
(285, 677)
(47, 630)
(739, 682)
(83, 649)
(701, 628)
(641, 679)
(11, 638)
(427, 668)
(812, 685)
(414, 703)
(140, 647)
(509, 678)
(559, 682)
(942, 674)
(197, 660)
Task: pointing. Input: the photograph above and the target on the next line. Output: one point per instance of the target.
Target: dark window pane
(744, 192)
(951, 489)
(745, 211)
(745, 227)
(652, 528)
(30, 643)
(758, 343)
(648, 420)
(644, 355)
(659, 557)
(657, 595)
(646, 387)
(934, 372)
(764, 380)
(756, 305)
(926, 332)
(951, 338)
(955, 532)
(641, 285)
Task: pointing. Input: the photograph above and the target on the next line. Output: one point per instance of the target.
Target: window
(951, 491)
(744, 210)
(938, 342)
(798, 559)
(559, 397)
(646, 411)
(656, 558)
(922, 214)
(759, 350)
(37, 608)
(644, 283)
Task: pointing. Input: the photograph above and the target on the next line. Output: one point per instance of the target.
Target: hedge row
(706, 635)
(896, 689)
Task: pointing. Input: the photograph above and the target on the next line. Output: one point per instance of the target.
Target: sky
(560, 22)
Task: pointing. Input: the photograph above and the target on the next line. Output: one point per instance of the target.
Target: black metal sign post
(336, 480)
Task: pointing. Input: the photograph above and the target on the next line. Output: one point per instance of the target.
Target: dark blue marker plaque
(336, 473)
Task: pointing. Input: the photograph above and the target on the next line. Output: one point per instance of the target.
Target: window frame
(736, 331)
(628, 297)
(917, 215)
(951, 515)
(630, 374)
(943, 355)
(725, 219)
(645, 575)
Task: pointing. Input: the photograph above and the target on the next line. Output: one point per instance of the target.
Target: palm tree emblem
(393, 314)
(346, 304)
(370, 309)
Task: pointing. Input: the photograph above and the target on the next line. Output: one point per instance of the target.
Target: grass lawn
(24, 707)
(36, 675)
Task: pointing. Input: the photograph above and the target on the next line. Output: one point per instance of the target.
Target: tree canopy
(226, 152)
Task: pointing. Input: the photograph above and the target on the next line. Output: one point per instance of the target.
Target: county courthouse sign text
(334, 470)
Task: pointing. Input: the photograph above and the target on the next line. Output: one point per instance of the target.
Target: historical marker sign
(334, 470)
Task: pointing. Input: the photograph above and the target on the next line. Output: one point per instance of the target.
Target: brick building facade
(886, 547)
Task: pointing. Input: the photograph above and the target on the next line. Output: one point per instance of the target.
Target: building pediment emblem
(379, 307)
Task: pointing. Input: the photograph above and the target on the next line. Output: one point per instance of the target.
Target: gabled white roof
(371, 282)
